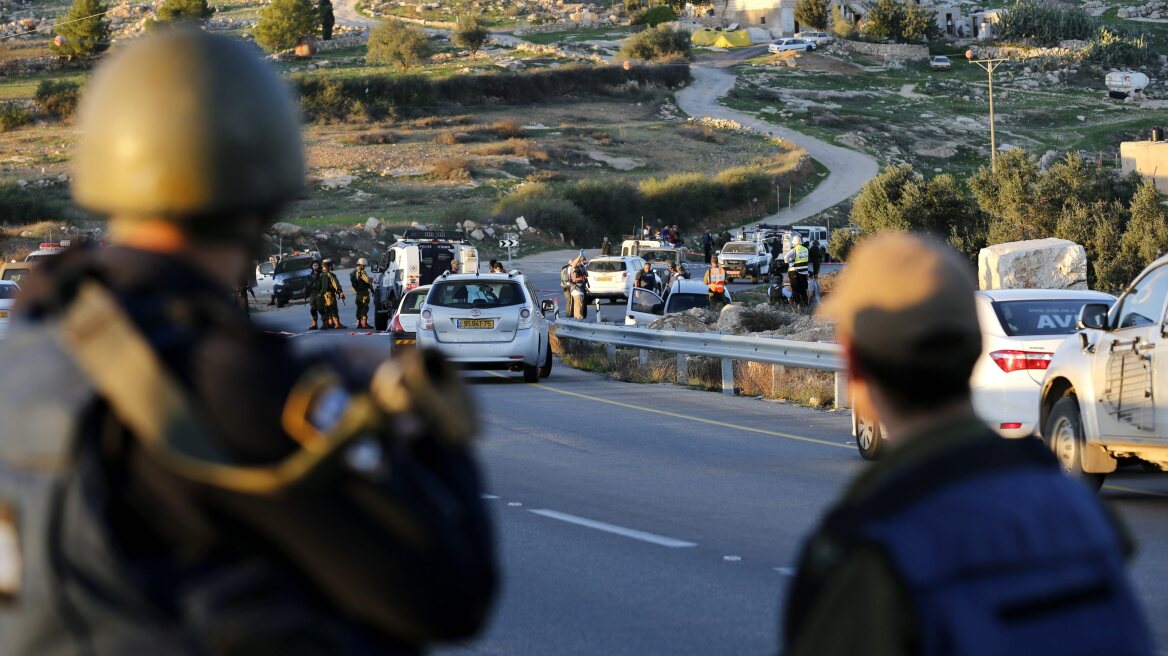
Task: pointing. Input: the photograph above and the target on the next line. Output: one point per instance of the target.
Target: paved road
(637, 519)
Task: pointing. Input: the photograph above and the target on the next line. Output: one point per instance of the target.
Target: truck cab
(416, 259)
(745, 259)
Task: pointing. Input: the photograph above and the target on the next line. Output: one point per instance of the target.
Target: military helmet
(187, 125)
(328, 262)
(362, 262)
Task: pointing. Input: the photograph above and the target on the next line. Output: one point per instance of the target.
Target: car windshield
(476, 294)
(36, 257)
(291, 264)
(413, 301)
(1040, 317)
(606, 266)
(739, 249)
(8, 291)
(659, 256)
(682, 302)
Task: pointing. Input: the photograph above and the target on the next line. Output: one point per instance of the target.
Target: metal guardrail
(784, 352)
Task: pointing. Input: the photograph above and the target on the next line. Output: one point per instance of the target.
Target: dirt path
(849, 169)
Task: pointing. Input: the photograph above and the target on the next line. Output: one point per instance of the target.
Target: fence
(728, 348)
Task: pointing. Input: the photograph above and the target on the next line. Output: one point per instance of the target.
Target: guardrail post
(778, 373)
(728, 377)
(610, 350)
(643, 357)
(682, 369)
(841, 390)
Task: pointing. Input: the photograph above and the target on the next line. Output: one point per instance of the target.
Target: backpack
(566, 276)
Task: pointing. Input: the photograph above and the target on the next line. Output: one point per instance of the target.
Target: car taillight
(413, 284)
(1009, 361)
(1011, 425)
(396, 326)
(525, 314)
(625, 275)
(427, 320)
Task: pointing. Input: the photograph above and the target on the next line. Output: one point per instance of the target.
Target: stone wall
(894, 51)
(1064, 49)
(39, 65)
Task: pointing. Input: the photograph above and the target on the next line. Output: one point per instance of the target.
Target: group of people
(574, 282)
(670, 234)
(324, 293)
(202, 487)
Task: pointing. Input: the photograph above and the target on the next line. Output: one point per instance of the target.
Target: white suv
(488, 321)
(820, 39)
(612, 277)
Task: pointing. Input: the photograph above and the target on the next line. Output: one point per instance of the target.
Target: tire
(281, 301)
(530, 373)
(1063, 433)
(380, 321)
(546, 369)
(869, 437)
(729, 279)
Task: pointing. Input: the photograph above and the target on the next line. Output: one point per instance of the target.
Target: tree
(657, 43)
(812, 13)
(1146, 237)
(284, 22)
(470, 32)
(171, 11)
(919, 23)
(1006, 193)
(840, 26)
(655, 16)
(327, 20)
(393, 42)
(843, 240)
(83, 30)
(899, 21)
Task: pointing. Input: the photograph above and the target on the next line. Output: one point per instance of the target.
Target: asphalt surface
(653, 519)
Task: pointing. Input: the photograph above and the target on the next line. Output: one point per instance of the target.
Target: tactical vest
(716, 279)
(801, 259)
(999, 553)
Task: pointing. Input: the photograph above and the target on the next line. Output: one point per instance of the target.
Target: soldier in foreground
(959, 541)
(314, 290)
(331, 297)
(173, 481)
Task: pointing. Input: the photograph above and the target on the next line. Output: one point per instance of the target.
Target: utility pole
(989, 65)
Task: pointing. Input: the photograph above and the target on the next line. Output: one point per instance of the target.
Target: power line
(68, 22)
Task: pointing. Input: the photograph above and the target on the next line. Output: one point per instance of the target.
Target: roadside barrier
(783, 352)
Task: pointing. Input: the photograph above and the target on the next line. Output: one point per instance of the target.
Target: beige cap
(907, 300)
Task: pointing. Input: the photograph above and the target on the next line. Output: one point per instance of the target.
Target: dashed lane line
(1133, 490)
(643, 536)
(675, 415)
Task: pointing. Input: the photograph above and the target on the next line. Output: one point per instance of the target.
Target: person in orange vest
(716, 284)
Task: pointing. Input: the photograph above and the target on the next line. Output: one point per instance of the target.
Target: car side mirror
(1093, 316)
(375, 269)
(547, 305)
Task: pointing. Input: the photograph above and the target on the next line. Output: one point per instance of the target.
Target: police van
(417, 258)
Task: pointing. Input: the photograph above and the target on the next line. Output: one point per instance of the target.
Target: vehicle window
(476, 294)
(660, 256)
(266, 268)
(682, 302)
(739, 249)
(8, 291)
(288, 265)
(1143, 303)
(606, 266)
(36, 257)
(647, 302)
(17, 276)
(413, 302)
(1041, 317)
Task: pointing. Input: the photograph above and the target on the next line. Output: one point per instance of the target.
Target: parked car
(645, 306)
(16, 272)
(403, 328)
(488, 321)
(1021, 330)
(783, 45)
(291, 277)
(745, 259)
(1105, 394)
(612, 277)
(818, 39)
(8, 292)
(940, 63)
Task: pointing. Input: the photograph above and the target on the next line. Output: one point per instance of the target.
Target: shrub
(1045, 24)
(812, 13)
(840, 26)
(374, 138)
(506, 128)
(183, 10)
(394, 42)
(284, 22)
(516, 147)
(657, 42)
(544, 210)
(21, 205)
(655, 16)
(57, 99)
(451, 168)
(451, 138)
(905, 22)
(324, 10)
(13, 115)
(1111, 49)
(470, 33)
(544, 176)
(684, 197)
(614, 205)
(84, 30)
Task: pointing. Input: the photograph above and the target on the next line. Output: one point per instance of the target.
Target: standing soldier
(361, 286)
(605, 247)
(715, 280)
(580, 288)
(314, 289)
(333, 292)
(798, 258)
(175, 481)
(707, 246)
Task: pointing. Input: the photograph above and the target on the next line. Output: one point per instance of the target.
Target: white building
(778, 16)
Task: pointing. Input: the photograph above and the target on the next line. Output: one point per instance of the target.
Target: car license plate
(480, 324)
(734, 272)
(3, 314)
(604, 278)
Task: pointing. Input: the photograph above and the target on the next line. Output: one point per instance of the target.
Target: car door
(644, 307)
(1126, 361)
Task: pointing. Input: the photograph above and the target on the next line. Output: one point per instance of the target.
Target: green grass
(598, 34)
(24, 87)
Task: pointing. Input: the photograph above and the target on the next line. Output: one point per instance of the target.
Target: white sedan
(1020, 328)
(783, 45)
(612, 277)
(8, 292)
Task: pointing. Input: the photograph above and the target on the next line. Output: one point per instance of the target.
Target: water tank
(1126, 81)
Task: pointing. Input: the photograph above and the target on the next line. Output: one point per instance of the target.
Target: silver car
(488, 321)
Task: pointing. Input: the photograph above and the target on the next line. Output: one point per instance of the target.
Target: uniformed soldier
(174, 481)
(362, 285)
(314, 289)
(957, 541)
(332, 294)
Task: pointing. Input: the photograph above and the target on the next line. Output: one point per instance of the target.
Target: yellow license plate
(604, 278)
(3, 314)
(481, 324)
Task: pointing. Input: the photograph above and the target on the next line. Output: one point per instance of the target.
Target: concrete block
(1034, 264)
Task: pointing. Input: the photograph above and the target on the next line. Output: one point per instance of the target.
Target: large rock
(1033, 264)
(286, 230)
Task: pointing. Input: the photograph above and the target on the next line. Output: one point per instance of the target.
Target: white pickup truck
(1105, 393)
(745, 259)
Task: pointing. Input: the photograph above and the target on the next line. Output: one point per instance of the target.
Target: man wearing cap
(958, 541)
(172, 479)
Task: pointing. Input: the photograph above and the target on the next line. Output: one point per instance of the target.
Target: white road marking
(514, 504)
(643, 536)
(732, 559)
(786, 571)
(488, 496)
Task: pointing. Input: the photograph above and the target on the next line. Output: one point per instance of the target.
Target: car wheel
(380, 321)
(811, 47)
(281, 301)
(1063, 433)
(546, 369)
(869, 437)
(530, 373)
(729, 279)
